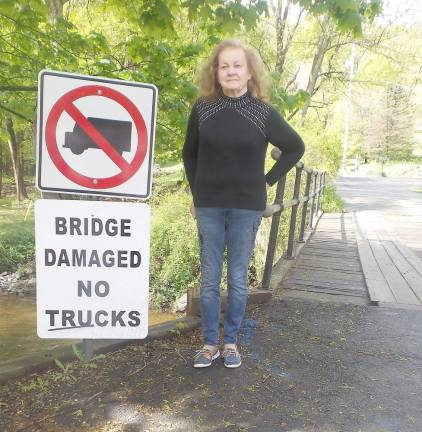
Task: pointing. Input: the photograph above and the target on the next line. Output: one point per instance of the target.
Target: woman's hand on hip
(193, 211)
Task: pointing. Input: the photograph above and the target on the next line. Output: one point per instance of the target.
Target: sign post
(95, 138)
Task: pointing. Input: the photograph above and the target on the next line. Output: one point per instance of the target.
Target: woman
(228, 131)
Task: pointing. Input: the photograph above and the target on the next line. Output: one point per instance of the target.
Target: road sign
(92, 260)
(95, 135)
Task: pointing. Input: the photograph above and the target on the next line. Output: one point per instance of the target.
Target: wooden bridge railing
(312, 204)
(274, 210)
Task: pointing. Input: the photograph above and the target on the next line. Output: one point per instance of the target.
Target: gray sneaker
(204, 358)
(231, 358)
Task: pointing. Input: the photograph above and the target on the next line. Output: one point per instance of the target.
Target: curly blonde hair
(258, 85)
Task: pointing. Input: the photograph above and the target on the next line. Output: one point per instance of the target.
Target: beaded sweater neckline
(236, 102)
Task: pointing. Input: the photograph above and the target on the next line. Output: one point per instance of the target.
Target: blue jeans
(218, 227)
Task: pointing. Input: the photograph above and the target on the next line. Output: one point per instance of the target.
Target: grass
(332, 203)
(16, 233)
(409, 169)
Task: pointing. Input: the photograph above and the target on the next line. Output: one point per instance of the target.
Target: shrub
(16, 249)
(174, 264)
(16, 234)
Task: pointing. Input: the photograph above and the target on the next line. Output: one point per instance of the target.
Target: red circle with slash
(66, 104)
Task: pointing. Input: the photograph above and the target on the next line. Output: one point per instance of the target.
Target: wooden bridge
(356, 256)
(369, 254)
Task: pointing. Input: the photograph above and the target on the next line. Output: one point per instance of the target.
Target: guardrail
(274, 210)
(311, 209)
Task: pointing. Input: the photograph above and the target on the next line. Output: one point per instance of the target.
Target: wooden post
(323, 189)
(293, 214)
(311, 219)
(319, 192)
(272, 242)
(305, 206)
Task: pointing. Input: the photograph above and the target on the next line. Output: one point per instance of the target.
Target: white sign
(92, 260)
(95, 135)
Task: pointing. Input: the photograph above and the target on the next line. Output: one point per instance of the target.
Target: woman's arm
(190, 148)
(283, 136)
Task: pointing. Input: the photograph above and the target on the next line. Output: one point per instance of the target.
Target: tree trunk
(55, 8)
(19, 139)
(34, 131)
(1, 167)
(14, 146)
(322, 47)
(283, 36)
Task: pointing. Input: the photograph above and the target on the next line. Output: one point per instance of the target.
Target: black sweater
(225, 148)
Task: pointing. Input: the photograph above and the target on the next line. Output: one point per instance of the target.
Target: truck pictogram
(117, 132)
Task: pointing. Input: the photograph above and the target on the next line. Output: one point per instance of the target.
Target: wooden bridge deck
(393, 272)
(355, 255)
(329, 263)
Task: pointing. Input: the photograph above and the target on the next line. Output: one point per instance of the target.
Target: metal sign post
(95, 138)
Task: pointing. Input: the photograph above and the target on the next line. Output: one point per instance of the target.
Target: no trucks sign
(95, 135)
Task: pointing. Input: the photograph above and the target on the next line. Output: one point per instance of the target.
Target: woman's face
(233, 73)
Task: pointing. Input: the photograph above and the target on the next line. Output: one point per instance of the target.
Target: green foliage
(77, 414)
(179, 328)
(331, 201)
(323, 145)
(174, 263)
(226, 17)
(156, 18)
(286, 102)
(386, 97)
(37, 383)
(80, 355)
(149, 41)
(349, 15)
(390, 136)
(16, 250)
(78, 352)
(66, 371)
(16, 234)
(412, 169)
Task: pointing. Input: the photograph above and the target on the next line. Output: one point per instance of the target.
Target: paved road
(396, 198)
(308, 366)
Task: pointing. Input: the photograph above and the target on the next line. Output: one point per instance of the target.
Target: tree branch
(329, 73)
(174, 132)
(18, 88)
(293, 79)
(293, 114)
(15, 113)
